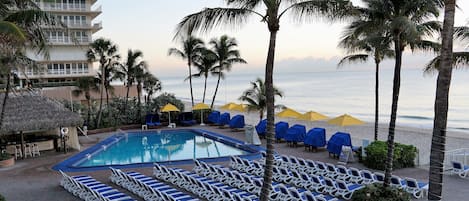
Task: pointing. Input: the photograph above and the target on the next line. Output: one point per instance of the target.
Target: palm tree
(226, 56)
(140, 74)
(375, 45)
(112, 72)
(134, 61)
(21, 22)
(105, 52)
(237, 13)
(86, 85)
(151, 84)
(407, 24)
(437, 154)
(255, 96)
(192, 48)
(205, 64)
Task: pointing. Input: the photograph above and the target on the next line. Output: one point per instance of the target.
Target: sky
(149, 26)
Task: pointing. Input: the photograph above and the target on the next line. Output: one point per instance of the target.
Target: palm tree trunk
(216, 88)
(190, 80)
(126, 97)
(392, 122)
(205, 89)
(437, 154)
(269, 91)
(5, 98)
(98, 122)
(139, 91)
(376, 100)
(88, 99)
(107, 96)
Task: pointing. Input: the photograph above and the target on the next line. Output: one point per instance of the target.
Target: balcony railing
(65, 6)
(69, 40)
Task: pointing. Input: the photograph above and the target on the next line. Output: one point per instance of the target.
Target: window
(80, 68)
(67, 69)
(74, 68)
(85, 68)
(55, 71)
(49, 68)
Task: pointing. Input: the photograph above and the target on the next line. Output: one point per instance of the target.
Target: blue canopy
(316, 137)
(296, 133)
(339, 139)
(237, 121)
(261, 127)
(213, 117)
(281, 130)
(224, 119)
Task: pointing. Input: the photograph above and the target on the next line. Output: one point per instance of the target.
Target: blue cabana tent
(152, 120)
(224, 119)
(315, 138)
(295, 134)
(186, 119)
(335, 143)
(261, 127)
(213, 117)
(237, 121)
(281, 130)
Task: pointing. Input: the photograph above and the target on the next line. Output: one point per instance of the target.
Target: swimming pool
(143, 148)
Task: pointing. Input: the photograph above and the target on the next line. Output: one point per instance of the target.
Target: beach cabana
(39, 120)
(315, 138)
(295, 134)
(335, 143)
(224, 119)
(237, 122)
(213, 117)
(261, 127)
(281, 130)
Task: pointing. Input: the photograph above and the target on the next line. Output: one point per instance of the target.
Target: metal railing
(65, 6)
(459, 155)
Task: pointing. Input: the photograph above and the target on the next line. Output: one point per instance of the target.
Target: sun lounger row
(417, 189)
(204, 187)
(147, 187)
(253, 184)
(235, 122)
(89, 189)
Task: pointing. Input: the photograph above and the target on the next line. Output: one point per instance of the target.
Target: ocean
(340, 91)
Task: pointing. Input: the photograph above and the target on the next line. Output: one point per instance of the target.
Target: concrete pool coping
(69, 164)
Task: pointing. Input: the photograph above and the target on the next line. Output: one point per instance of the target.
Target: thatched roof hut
(28, 111)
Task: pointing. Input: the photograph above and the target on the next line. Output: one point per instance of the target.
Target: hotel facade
(67, 59)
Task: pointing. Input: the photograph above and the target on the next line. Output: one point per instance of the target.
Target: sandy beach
(419, 137)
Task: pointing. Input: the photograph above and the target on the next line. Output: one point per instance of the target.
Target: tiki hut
(30, 113)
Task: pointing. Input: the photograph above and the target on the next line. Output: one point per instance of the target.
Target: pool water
(158, 147)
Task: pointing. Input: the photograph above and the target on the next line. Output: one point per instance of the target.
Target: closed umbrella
(345, 120)
(169, 108)
(312, 116)
(201, 107)
(288, 113)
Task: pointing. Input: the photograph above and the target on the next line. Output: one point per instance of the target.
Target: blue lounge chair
(213, 117)
(186, 119)
(295, 134)
(335, 143)
(152, 120)
(261, 128)
(315, 138)
(281, 130)
(417, 189)
(460, 169)
(237, 122)
(224, 119)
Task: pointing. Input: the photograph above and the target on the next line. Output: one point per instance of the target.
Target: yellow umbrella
(289, 113)
(228, 106)
(201, 107)
(312, 116)
(169, 108)
(239, 107)
(345, 120)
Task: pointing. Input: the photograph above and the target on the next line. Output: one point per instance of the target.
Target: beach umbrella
(239, 108)
(345, 120)
(169, 108)
(312, 116)
(201, 107)
(228, 106)
(288, 113)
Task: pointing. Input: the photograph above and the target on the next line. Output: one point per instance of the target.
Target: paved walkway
(34, 180)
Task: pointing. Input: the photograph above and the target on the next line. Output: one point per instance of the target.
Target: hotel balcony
(71, 8)
(69, 40)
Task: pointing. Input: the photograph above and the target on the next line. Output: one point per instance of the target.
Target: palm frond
(461, 33)
(326, 9)
(355, 58)
(176, 52)
(210, 18)
(11, 30)
(460, 60)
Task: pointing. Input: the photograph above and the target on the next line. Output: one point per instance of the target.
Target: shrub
(376, 154)
(375, 192)
(4, 156)
(2, 198)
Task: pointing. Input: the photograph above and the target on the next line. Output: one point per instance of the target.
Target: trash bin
(248, 133)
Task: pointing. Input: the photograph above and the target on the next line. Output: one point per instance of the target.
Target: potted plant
(6, 160)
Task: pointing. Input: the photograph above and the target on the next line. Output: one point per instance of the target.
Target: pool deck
(33, 179)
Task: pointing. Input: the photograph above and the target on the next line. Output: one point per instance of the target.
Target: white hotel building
(67, 52)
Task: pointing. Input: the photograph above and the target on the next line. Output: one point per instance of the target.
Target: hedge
(376, 154)
(375, 192)
(2, 198)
